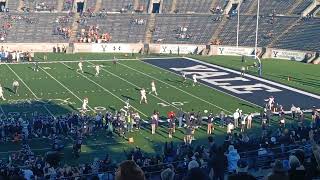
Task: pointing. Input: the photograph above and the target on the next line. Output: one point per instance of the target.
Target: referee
(15, 86)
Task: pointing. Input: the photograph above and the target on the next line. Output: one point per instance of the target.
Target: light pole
(238, 24)
(257, 28)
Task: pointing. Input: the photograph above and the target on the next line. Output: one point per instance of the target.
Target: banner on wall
(234, 51)
(290, 55)
(179, 49)
(115, 48)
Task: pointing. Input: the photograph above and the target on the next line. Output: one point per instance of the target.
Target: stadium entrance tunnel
(155, 7)
(80, 6)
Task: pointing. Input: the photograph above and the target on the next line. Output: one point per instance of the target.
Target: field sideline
(58, 89)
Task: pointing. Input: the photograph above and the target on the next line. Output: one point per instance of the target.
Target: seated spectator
(242, 172)
(167, 174)
(129, 170)
(193, 164)
(278, 172)
(296, 171)
(196, 174)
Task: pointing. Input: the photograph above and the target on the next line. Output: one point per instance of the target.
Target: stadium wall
(289, 54)
(183, 49)
(35, 47)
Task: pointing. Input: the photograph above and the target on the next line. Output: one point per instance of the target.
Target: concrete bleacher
(90, 4)
(279, 6)
(121, 27)
(268, 29)
(166, 6)
(196, 6)
(67, 5)
(198, 27)
(50, 4)
(117, 5)
(304, 36)
(13, 5)
(35, 28)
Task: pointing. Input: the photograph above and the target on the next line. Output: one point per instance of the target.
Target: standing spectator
(217, 164)
(233, 158)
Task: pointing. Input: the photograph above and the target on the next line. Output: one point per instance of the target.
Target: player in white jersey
(84, 104)
(194, 77)
(15, 86)
(97, 67)
(80, 67)
(153, 88)
(143, 96)
(270, 102)
(1, 93)
(243, 70)
(184, 77)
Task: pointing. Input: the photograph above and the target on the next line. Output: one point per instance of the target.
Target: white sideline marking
(137, 87)
(30, 90)
(105, 90)
(57, 61)
(259, 79)
(66, 88)
(175, 87)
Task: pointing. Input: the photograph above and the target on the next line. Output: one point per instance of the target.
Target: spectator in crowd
(129, 170)
(296, 171)
(167, 174)
(278, 172)
(242, 172)
(233, 158)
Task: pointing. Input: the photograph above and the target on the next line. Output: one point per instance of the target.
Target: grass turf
(60, 81)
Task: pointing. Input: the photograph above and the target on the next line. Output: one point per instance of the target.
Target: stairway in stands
(150, 28)
(284, 32)
(173, 6)
(219, 29)
(60, 5)
(74, 29)
(253, 8)
(294, 6)
(98, 5)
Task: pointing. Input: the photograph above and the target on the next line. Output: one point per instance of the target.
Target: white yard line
(134, 85)
(105, 90)
(203, 100)
(65, 87)
(29, 89)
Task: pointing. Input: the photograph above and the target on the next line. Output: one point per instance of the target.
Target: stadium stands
(184, 28)
(37, 27)
(198, 27)
(269, 28)
(117, 5)
(122, 27)
(196, 6)
(303, 36)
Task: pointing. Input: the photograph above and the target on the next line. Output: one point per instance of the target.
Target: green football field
(59, 89)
